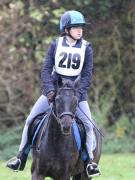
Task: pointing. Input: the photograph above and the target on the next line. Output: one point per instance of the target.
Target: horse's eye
(75, 99)
(58, 99)
(58, 103)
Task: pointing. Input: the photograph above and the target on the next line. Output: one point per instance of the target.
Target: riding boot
(18, 163)
(92, 169)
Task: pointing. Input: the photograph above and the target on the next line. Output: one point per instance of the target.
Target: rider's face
(76, 32)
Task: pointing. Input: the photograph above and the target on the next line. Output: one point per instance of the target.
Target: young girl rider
(56, 62)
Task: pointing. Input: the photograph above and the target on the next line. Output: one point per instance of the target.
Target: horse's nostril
(66, 129)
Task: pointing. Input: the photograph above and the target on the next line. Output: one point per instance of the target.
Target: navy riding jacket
(48, 80)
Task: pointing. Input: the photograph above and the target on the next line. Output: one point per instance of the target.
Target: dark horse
(58, 156)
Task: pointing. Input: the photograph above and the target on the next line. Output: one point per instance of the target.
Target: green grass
(113, 167)
(117, 167)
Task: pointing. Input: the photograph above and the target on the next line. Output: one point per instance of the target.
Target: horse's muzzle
(66, 122)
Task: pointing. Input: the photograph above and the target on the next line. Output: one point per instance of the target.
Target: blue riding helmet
(71, 19)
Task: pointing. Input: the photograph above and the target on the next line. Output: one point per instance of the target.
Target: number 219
(72, 60)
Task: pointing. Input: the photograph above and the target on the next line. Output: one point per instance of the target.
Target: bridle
(65, 113)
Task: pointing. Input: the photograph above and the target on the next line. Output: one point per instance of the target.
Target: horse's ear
(77, 82)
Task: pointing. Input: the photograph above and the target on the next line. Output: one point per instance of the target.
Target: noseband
(67, 113)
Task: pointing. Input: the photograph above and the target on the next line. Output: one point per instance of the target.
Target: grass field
(113, 167)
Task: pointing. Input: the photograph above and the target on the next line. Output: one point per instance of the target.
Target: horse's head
(66, 102)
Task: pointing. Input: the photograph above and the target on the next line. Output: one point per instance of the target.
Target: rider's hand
(51, 96)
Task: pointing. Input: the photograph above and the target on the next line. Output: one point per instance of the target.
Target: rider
(68, 56)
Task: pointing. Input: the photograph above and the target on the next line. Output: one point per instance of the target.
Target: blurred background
(26, 30)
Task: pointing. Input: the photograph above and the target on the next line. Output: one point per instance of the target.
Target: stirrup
(11, 162)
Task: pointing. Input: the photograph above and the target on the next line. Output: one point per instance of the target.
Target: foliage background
(27, 28)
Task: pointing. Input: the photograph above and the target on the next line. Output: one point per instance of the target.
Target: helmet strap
(71, 37)
(68, 34)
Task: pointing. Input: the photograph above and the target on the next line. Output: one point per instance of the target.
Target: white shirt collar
(70, 44)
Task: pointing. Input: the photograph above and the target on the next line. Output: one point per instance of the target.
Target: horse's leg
(81, 176)
(63, 177)
(36, 176)
(77, 177)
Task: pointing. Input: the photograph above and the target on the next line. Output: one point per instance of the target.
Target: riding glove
(51, 96)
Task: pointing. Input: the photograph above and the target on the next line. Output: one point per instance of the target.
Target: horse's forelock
(68, 83)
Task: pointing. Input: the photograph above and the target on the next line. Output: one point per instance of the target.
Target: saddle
(37, 129)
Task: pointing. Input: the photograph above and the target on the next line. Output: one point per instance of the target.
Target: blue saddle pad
(77, 136)
(42, 122)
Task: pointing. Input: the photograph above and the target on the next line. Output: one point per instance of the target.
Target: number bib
(69, 60)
